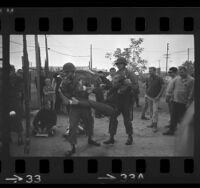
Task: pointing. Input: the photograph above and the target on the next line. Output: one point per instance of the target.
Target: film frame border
(150, 20)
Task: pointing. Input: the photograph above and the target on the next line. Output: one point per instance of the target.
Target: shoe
(169, 132)
(70, 152)
(144, 118)
(94, 143)
(110, 141)
(129, 140)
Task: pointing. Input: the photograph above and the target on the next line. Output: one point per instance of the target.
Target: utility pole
(47, 58)
(91, 57)
(167, 57)
(188, 54)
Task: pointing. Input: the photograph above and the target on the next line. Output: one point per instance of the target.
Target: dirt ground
(146, 143)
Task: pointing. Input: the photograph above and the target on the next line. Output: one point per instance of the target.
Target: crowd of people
(122, 94)
(120, 90)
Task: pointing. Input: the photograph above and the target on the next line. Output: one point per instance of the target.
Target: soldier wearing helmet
(126, 103)
(72, 91)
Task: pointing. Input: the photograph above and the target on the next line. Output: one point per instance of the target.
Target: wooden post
(37, 69)
(47, 58)
(26, 94)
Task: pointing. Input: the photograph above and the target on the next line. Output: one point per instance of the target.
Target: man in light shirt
(182, 91)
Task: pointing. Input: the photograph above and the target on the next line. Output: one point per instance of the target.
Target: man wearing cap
(153, 93)
(182, 91)
(72, 92)
(126, 107)
(169, 99)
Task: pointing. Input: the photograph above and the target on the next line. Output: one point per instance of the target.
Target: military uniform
(121, 103)
(72, 88)
(124, 102)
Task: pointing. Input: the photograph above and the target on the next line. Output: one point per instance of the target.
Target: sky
(69, 48)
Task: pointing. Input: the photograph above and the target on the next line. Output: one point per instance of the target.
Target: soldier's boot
(92, 142)
(71, 152)
(129, 140)
(110, 140)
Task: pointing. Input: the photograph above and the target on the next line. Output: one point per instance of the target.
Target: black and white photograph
(101, 95)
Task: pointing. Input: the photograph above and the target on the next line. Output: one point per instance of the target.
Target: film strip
(93, 22)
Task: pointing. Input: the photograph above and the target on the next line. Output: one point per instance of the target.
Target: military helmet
(121, 60)
(68, 67)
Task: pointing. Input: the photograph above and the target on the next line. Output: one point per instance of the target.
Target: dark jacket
(46, 118)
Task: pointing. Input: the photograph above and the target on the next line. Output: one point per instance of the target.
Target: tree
(132, 55)
(190, 66)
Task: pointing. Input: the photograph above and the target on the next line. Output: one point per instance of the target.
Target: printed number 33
(33, 179)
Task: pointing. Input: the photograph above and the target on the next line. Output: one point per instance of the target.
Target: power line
(21, 51)
(61, 53)
(22, 44)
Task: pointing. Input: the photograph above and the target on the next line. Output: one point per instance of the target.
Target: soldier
(126, 103)
(72, 91)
